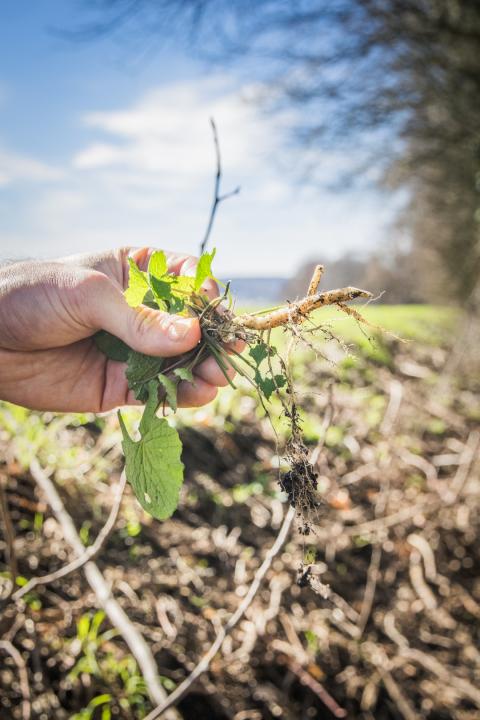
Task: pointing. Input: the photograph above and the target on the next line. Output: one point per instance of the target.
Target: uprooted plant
(153, 462)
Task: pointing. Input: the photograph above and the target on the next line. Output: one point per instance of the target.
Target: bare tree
(396, 83)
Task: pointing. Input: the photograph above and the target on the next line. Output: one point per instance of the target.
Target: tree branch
(89, 552)
(204, 663)
(17, 658)
(9, 539)
(217, 197)
(117, 616)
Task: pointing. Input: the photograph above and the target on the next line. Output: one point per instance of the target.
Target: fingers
(149, 331)
(114, 264)
(210, 371)
(208, 377)
(196, 394)
(156, 333)
(236, 347)
(189, 394)
(187, 265)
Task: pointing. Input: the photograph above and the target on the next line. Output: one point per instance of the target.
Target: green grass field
(425, 323)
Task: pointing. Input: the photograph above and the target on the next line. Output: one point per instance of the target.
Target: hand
(49, 312)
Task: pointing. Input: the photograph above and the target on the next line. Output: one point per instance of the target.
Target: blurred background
(352, 128)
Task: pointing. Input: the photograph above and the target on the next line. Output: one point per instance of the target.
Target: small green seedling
(153, 462)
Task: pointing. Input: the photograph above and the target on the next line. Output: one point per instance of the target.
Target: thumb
(152, 332)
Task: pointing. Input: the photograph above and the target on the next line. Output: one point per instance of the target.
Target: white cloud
(147, 176)
(167, 134)
(21, 168)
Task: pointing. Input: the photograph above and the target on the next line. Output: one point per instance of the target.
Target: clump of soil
(300, 485)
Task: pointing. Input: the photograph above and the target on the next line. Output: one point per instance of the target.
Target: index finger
(187, 265)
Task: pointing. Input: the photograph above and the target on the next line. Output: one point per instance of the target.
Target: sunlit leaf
(157, 265)
(137, 285)
(153, 464)
(204, 269)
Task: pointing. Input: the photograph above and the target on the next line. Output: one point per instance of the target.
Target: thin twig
(462, 686)
(395, 390)
(17, 658)
(308, 681)
(217, 197)
(402, 704)
(467, 458)
(309, 579)
(204, 663)
(117, 616)
(9, 539)
(380, 524)
(89, 553)
(370, 587)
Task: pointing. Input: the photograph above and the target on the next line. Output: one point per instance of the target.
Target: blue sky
(103, 144)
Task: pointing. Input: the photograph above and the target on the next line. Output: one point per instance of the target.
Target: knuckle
(89, 281)
(89, 286)
(141, 255)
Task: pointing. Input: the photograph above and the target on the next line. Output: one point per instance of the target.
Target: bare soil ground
(395, 441)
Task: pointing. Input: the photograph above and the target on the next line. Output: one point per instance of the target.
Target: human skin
(49, 312)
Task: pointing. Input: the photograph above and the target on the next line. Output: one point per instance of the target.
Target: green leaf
(141, 369)
(259, 352)
(204, 269)
(137, 285)
(182, 288)
(153, 464)
(111, 346)
(97, 620)
(150, 301)
(170, 291)
(170, 389)
(83, 627)
(176, 304)
(166, 297)
(162, 289)
(157, 265)
(184, 284)
(159, 280)
(100, 700)
(268, 385)
(184, 374)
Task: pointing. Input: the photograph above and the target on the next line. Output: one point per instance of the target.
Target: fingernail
(179, 329)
